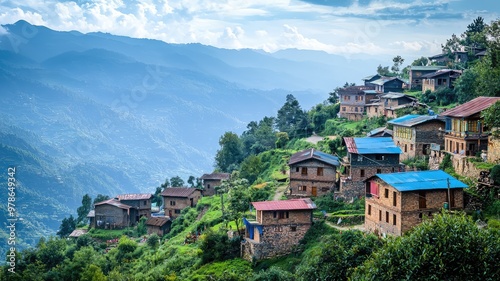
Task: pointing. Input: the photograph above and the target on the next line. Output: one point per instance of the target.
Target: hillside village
(373, 164)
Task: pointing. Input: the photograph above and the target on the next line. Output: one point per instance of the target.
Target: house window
(319, 172)
(379, 171)
(304, 171)
(297, 169)
(208, 186)
(394, 219)
(144, 203)
(373, 188)
(380, 215)
(362, 173)
(369, 210)
(355, 109)
(172, 203)
(343, 108)
(379, 157)
(406, 147)
(360, 157)
(293, 228)
(177, 211)
(282, 215)
(386, 193)
(452, 198)
(387, 217)
(394, 199)
(278, 228)
(376, 109)
(422, 203)
(411, 146)
(302, 188)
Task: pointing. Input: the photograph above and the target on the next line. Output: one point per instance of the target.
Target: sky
(352, 28)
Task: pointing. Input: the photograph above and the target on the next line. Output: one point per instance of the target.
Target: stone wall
(180, 203)
(113, 217)
(209, 186)
(294, 217)
(302, 184)
(461, 164)
(493, 150)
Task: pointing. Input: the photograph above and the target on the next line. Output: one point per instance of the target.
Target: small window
(282, 215)
(387, 217)
(319, 172)
(172, 203)
(386, 193)
(379, 157)
(144, 203)
(380, 215)
(362, 173)
(293, 228)
(394, 219)
(360, 157)
(411, 146)
(297, 169)
(177, 211)
(208, 186)
(278, 228)
(379, 171)
(304, 171)
(369, 210)
(302, 188)
(420, 215)
(394, 198)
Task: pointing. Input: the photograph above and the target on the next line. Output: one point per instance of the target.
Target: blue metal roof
(403, 119)
(380, 145)
(412, 120)
(421, 180)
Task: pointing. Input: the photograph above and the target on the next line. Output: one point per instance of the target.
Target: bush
(495, 174)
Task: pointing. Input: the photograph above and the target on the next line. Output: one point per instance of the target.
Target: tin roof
(381, 145)
(293, 204)
(178, 191)
(384, 80)
(91, 214)
(312, 153)
(411, 120)
(113, 202)
(441, 72)
(134, 196)
(426, 68)
(215, 176)
(78, 232)
(378, 131)
(472, 107)
(421, 180)
(370, 77)
(157, 221)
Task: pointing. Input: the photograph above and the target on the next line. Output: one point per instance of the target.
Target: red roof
(134, 196)
(293, 204)
(472, 107)
(115, 203)
(350, 144)
(178, 191)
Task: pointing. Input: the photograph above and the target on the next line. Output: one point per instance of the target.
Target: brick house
(416, 73)
(465, 132)
(112, 213)
(397, 202)
(389, 103)
(158, 225)
(279, 226)
(443, 78)
(312, 173)
(389, 84)
(353, 100)
(139, 201)
(365, 158)
(414, 134)
(177, 198)
(210, 181)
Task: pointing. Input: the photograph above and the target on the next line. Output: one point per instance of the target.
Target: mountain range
(103, 114)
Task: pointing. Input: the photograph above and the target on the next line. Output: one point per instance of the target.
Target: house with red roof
(312, 173)
(465, 132)
(277, 228)
(211, 181)
(175, 199)
(112, 213)
(139, 201)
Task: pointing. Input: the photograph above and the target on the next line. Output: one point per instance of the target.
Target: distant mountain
(97, 113)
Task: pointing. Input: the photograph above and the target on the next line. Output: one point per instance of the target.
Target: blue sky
(353, 28)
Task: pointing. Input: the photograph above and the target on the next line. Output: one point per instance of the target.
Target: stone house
(365, 158)
(211, 181)
(415, 134)
(278, 227)
(175, 199)
(443, 78)
(353, 100)
(158, 225)
(312, 173)
(112, 213)
(388, 103)
(139, 201)
(416, 73)
(397, 202)
(465, 132)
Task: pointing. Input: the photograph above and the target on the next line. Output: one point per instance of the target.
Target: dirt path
(280, 190)
(351, 227)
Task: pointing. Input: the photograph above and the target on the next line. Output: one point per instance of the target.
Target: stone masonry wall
(323, 183)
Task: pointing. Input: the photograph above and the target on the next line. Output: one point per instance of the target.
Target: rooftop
(472, 107)
(293, 204)
(441, 72)
(134, 196)
(215, 176)
(178, 191)
(421, 180)
(78, 232)
(312, 153)
(413, 120)
(113, 202)
(381, 145)
(157, 221)
(426, 68)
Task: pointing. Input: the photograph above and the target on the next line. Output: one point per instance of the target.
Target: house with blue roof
(365, 158)
(312, 173)
(415, 134)
(397, 202)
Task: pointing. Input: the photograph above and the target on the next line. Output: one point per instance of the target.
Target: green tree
(67, 226)
(449, 247)
(141, 226)
(383, 70)
(216, 246)
(281, 139)
(84, 209)
(230, 155)
(177, 181)
(465, 85)
(153, 240)
(191, 181)
(491, 120)
(251, 168)
(157, 199)
(259, 137)
(292, 119)
(274, 273)
(100, 198)
(396, 67)
(422, 61)
(93, 273)
(238, 199)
